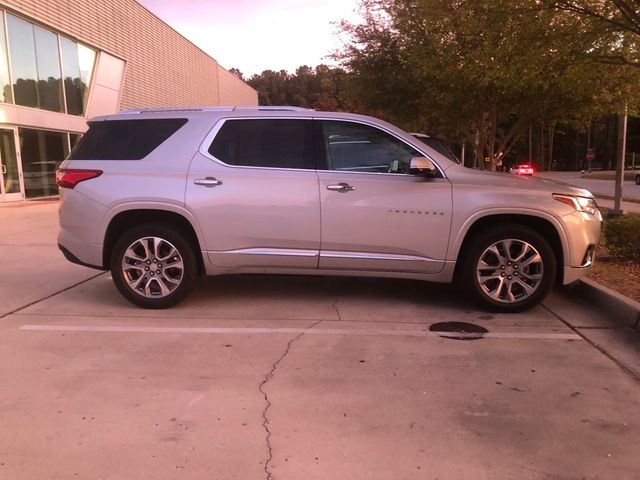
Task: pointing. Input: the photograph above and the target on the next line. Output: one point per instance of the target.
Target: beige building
(64, 61)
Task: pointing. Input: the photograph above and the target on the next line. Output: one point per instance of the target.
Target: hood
(462, 175)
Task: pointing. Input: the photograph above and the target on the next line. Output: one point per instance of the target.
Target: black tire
(638, 179)
(505, 285)
(160, 285)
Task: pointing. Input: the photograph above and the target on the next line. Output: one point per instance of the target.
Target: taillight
(69, 178)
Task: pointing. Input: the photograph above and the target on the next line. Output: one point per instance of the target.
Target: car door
(254, 191)
(375, 215)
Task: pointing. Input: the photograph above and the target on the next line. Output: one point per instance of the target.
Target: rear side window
(124, 139)
(269, 143)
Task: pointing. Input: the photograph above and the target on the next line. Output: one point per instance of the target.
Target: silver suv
(161, 197)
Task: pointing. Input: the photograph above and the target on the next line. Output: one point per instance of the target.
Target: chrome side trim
(283, 252)
(372, 256)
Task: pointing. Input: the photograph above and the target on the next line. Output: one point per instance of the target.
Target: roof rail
(176, 109)
(284, 108)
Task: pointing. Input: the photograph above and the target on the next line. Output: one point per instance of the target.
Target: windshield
(438, 145)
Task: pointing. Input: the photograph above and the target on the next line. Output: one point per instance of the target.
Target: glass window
(124, 139)
(77, 65)
(73, 139)
(265, 143)
(6, 95)
(48, 64)
(23, 61)
(42, 152)
(361, 148)
(9, 161)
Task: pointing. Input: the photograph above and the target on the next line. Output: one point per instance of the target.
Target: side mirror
(422, 166)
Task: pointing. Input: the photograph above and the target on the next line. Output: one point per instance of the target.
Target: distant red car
(523, 170)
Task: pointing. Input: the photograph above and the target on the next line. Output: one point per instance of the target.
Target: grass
(621, 275)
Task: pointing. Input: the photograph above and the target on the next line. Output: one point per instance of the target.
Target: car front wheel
(153, 266)
(510, 269)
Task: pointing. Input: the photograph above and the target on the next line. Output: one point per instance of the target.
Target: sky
(257, 35)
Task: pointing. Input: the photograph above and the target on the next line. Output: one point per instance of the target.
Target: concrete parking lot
(300, 378)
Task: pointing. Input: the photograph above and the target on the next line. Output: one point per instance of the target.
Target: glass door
(11, 187)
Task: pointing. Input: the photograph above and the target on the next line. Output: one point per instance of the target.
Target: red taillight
(69, 178)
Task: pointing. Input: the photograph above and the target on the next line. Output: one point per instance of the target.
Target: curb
(623, 309)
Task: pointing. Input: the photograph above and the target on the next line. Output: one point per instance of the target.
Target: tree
(322, 88)
(236, 72)
(483, 71)
(619, 16)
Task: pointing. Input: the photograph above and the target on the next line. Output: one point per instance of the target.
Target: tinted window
(265, 143)
(124, 139)
(361, 148)
(42, 152)
(438, 145)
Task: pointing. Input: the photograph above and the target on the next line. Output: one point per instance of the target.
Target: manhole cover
(458, 330)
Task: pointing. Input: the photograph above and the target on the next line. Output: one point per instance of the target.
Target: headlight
(581, 204)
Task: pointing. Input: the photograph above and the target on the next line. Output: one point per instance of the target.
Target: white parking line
(295, 331)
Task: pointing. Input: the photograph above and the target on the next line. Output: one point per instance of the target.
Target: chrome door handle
(341, 187)
(207, 182)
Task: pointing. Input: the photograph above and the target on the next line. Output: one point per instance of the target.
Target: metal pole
(530, 147)
(622, 148)
(462, 154)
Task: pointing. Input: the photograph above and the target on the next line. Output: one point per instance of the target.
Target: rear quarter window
(124, 139)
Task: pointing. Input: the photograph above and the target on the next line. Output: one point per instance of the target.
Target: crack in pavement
(47, 297)
(267, 378)
(335, 307)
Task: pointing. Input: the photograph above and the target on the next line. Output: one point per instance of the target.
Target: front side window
(356, 147)
(271, 143)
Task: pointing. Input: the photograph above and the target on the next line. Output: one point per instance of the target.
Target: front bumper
(583, 235)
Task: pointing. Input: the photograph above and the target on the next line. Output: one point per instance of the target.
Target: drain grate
(459, 330)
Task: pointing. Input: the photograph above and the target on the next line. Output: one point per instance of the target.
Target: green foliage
(622, 236)
(480, 70)
(322, 88)
(621, 17)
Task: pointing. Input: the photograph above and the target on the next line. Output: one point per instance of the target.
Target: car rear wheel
(510, 269)
(154, 266)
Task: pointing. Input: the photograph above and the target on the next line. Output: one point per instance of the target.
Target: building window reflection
(36, 81)
(6, 95)
(48, 66)
(77, 65)
(23, 61)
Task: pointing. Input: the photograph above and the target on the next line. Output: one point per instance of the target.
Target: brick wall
(163, 68)
(233, 91)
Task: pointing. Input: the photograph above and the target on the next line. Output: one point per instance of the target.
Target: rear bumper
(73, 259)
(80, 252)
